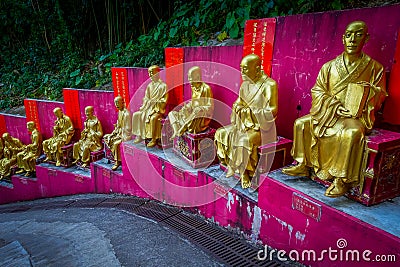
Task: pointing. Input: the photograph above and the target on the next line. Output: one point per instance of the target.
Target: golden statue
(63, 131)
(331, 139)
(26, 159)
(194, 116)
(1, 148)
(90, 138)
(146, 123)
(12, 146)
(121, 132)
(253, 115)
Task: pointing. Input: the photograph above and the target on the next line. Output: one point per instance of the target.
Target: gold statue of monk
(121, 133)
(63, 131)
(146, 123)
(12, 146)
(90, 138)
(331, 139)
(26, 159)
(253, 115)
(194, 116)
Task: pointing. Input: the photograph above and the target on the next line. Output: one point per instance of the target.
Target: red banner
(72, 109)
(174, 74)
(32, 113)
(120, 84)
(3, 127)
(391, 112)
(259, 37)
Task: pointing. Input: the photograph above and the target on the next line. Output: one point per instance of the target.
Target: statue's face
(354, 38)
(119, 103)
(249, 70)
(154, 74)
(58, 113)
(88, 112)
(194, 78)
(30, 127)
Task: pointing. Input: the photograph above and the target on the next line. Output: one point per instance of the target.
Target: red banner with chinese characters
(120, 84)
(259, 37)
(3, 127)
(32, 113)
(391, 112)
(72, 109)
(174, 74)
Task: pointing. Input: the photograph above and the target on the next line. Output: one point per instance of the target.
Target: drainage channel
(229, 249)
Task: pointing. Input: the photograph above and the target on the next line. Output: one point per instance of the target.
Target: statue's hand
(342, 112)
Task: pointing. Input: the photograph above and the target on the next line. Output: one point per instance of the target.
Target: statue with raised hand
(331, 139)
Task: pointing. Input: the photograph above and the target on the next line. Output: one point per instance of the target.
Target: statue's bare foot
(337, 189)
(46, 159)
(116, 165)
(152, 143)
(84, 165)
(58, 163)
(20, 171)
(137, 140)
(28, 173)
(245, 180)
(230, 172)
(297, 170)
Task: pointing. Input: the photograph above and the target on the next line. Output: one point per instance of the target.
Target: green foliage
(52, 44)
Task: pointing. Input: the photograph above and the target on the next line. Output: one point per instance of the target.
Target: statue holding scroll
(121, 133)
(194, 116)
(348, 92)
(12, 146)
(146, 123)
(63, 131)
(90, 138)
(26, 159)
(253, 116)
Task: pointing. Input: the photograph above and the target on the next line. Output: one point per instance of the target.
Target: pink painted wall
(285, 228)
(104, 108)
(16, 127)
(47, 117)
(138, 78)
(303, 43)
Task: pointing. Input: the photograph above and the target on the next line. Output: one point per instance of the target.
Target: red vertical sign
(32, 113)
(3, 127)
(174, 74)
(259, 35)
(72, 109)
(391, 113)
(120, 84)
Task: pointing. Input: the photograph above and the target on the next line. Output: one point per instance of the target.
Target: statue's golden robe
(195, 116)
(331, 144)
(63, 131)
(121, 133)
(27, 159)
(252, 114)
(90, 140)
(11, 149)
(146, 122)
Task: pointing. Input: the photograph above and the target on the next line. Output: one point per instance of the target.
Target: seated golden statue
(331, 139)
(90, 138)
(146, 123)
(194, 116)
(26, 159)
(121, 132)
(253, 115)
(63, 131)
(12, 146)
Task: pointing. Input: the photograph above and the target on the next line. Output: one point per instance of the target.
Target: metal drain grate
(155, 211)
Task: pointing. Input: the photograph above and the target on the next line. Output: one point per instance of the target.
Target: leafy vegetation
(47, 45)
